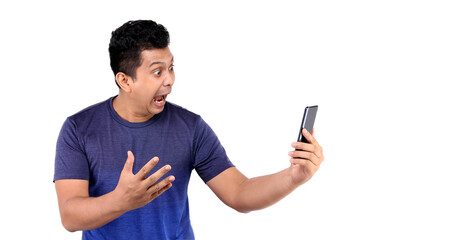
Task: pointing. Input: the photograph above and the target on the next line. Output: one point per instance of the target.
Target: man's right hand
(136, 190)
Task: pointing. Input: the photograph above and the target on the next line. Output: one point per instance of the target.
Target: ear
(124, 81)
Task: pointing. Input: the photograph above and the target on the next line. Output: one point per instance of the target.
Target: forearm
(79, 211)
(245, 195)
(261, 192)
(85, 213)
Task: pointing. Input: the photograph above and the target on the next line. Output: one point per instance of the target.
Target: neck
(128, 110)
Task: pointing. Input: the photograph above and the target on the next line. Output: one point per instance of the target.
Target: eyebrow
(163, 63)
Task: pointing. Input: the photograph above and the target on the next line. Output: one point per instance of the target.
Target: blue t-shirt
(93, 145)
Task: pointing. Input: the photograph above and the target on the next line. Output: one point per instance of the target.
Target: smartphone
(308, 121)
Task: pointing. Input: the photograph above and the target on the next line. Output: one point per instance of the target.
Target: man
(109, 197)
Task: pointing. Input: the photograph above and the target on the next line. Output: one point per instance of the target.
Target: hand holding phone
(307, 157)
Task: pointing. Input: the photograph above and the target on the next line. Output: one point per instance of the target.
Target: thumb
(128, 167)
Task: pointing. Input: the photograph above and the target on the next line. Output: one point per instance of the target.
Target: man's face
(154, 80)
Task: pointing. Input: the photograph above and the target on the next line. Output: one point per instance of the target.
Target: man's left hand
(306, 160)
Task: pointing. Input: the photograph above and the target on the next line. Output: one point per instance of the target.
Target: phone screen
(308, 121)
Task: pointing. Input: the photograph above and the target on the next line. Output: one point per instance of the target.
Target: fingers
(311, 146)
(128, 167)
(147, 168)
(157, 175)
(160, 187)
(308, 151)
(304, 155)
(150, 180)
(135, 190)
(308, 136)
(303, 146)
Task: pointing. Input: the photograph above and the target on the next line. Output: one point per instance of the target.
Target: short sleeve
(210, 158)
(70, 161)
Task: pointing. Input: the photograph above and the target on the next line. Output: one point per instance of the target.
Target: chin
(153, 110)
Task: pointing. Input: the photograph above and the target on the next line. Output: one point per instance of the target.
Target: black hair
(129, 40)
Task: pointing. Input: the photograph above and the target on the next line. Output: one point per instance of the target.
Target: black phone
(308, 121)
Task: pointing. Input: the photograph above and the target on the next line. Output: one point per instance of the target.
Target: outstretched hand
(134, 191)
(306, 160)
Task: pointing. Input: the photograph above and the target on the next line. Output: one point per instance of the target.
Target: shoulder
(179, 113)
(91, 111)
(93, 114)
(176, 109)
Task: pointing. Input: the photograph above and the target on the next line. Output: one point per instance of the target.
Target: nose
(169, 80)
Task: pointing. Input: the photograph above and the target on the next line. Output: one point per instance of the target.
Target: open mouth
(159, 99)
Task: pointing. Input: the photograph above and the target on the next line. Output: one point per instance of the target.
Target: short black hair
(129, 40)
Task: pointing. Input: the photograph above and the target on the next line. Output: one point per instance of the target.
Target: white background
(377, 69)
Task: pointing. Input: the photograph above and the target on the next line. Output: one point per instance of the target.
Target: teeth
(161, 99)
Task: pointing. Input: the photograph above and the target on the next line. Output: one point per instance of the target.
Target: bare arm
(80, 212)
(245, 195)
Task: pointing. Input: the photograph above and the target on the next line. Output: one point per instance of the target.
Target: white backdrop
(377, 69)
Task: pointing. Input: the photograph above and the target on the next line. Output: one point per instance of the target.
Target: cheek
(146, 89)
